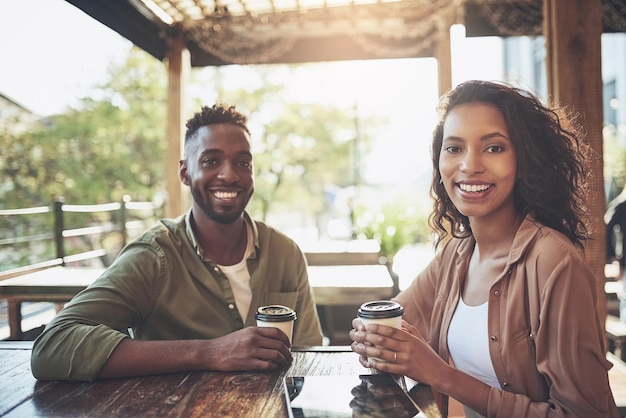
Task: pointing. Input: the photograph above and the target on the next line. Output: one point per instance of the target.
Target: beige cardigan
(546, 341)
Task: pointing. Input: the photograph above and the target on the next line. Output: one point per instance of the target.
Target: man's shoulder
(268, 230)
(164, 229)
(269, 234)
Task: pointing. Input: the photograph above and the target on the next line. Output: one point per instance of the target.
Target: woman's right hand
(398, 351)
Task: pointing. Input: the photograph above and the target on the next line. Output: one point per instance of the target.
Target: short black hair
(218, 113)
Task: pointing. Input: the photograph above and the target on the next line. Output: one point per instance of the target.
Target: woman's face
(478, 162)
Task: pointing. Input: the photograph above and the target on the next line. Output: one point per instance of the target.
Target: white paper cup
(277, 316)
(383, 312)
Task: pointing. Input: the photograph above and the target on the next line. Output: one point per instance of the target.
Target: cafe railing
(84, 225)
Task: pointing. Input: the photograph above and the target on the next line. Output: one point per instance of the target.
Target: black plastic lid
(275, 313)
(379, 309)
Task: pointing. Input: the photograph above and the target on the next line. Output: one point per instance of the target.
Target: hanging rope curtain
(261, 31)
(385, 29)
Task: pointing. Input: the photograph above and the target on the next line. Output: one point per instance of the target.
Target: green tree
(108, 147)
(299, 148)
(111, 145)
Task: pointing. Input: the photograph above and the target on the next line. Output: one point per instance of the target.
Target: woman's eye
(495, 148)
(453, 149)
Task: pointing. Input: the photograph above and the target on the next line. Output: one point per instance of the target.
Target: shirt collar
(194, 242)
(523, 237)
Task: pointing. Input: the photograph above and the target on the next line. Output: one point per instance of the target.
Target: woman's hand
(399, 351)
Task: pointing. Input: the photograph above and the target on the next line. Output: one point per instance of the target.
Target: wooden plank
(178, 66)
(342, 258)
(355, 252)
(32, 268)
(194, 394)
(350, 285)
(53, 281)
(16, 380)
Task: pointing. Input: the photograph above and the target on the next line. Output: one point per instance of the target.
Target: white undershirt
(468, 342)
(239, 278)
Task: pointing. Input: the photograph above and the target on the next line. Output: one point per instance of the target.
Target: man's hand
(250, 348)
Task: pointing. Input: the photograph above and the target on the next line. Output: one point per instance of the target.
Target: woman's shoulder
(550, 254)
(550, 242)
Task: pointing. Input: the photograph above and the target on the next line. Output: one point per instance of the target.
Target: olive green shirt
(160, 288)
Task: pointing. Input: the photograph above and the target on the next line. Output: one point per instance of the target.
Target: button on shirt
(160, 288)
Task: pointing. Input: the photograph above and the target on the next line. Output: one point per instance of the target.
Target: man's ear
(183, 174)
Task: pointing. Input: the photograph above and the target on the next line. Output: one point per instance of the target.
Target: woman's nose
(471, 163)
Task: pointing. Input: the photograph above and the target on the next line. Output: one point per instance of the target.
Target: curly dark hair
(218, 113)
(552, 161)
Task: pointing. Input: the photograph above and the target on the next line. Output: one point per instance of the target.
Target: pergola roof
(219, 32)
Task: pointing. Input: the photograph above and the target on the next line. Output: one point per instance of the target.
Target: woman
(504, 318)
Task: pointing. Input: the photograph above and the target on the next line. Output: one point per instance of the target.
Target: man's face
(218, 169)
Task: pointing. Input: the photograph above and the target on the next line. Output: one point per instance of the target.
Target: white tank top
(468, 342)
(239, 278)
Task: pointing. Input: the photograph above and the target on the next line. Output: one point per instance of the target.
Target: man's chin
(225, 218)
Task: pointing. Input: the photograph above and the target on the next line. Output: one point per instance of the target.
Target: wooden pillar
(443, 54)
(573, 29)
(178, 65)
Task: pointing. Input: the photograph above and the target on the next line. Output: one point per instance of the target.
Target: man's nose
(228, 173)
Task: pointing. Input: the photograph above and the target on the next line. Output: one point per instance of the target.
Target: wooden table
(56, 284)
(350, 284)
(332, 285)
(193, 394)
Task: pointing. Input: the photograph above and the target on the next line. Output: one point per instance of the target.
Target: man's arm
(251, 348)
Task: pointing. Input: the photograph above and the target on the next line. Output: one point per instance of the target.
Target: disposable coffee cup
(277, 316)
(383, 312)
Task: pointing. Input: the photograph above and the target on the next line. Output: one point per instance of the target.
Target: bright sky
(52, 53)
(48, 67)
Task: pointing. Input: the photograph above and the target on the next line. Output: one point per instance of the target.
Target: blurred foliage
(394, 225)
(111, 146)
(299, 148)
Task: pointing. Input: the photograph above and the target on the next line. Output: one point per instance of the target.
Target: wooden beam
(573, 29)
(443, 54)
(178, 65)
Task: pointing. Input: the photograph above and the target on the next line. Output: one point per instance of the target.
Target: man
(188, 288)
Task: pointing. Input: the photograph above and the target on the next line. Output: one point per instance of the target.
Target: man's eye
(453, 149)
(246, 164)
(208, 161)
